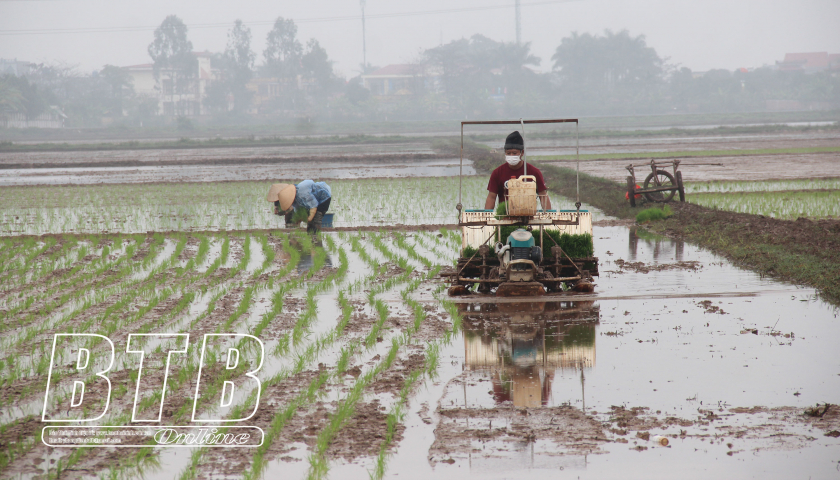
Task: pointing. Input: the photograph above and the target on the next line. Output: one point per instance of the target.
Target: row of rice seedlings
(107, 328)
(183, 376)
(233, 206)
(91, 277)
(730, 186)
(20, 447)
(429, 369)
(400, 240)
(25, 263)
(318, 463)
(309, 356)
(305, 319)
(783, 205)
(32, 296)
(268, 250)
(401, 261)
(17, 256)
(303, 357)
(95, 294)
(437, 247)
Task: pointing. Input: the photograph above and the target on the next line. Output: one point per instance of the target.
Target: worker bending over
(514, 166)
(312, 196)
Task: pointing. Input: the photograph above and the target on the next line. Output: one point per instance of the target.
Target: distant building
(268, 92)
(402, 79)
(810, 62)
(14, 67)
(188, 101)
(54, 118)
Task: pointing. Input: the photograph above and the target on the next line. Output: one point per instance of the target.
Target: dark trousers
(324, 206)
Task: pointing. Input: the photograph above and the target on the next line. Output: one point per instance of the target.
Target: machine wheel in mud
(659, 180)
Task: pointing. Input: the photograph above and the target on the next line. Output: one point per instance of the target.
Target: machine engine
(519, 257)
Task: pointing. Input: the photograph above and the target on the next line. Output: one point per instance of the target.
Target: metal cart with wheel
(660, 185)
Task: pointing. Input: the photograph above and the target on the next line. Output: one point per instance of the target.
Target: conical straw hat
(284, 192)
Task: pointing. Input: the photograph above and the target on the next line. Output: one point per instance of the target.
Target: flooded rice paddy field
(187, 156)
(370, 371)
(737, 168)
(679, 365)
(327, 170)
(676, 143)
(36, 210)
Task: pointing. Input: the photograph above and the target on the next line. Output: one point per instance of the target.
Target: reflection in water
(659, 245)
(520, 345)
(306, 262)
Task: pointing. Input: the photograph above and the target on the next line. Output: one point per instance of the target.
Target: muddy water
(438, 167)
(715, 340)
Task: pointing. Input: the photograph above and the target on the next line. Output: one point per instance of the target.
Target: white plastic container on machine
(522, 196)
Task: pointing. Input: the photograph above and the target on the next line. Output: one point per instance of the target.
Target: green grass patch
(653, 214)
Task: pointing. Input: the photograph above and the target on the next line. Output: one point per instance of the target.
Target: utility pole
(364, 40)
(518, 24)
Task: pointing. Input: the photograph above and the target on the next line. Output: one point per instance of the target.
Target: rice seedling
(730, 186)
(787, 205)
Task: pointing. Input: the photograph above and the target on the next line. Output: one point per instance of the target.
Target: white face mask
(512, 159)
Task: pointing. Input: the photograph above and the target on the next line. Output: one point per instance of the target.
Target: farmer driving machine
(523, 250)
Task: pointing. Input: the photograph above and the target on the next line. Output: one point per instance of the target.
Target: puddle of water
(673, 354)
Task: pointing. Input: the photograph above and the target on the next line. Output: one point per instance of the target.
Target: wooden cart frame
(659, 186)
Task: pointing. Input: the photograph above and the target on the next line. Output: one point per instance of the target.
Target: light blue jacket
(310, 194)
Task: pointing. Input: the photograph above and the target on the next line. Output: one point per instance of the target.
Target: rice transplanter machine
(518, 266)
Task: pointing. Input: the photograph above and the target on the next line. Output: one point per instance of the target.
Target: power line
(56, 31)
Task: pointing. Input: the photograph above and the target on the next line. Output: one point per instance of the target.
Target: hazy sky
(696, 34)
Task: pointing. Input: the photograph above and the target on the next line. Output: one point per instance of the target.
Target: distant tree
(614, 59)
(172, 53)
(316, 64)
(474, 69)
(33, 98)
(11, 98)
(283, 51)
(608, 73)
(121, 87)
(355, 92)
(239, 63)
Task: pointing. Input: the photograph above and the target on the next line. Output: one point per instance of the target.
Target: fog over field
(698, 35)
